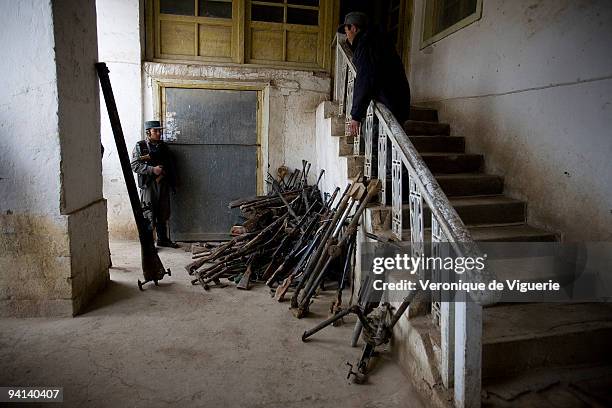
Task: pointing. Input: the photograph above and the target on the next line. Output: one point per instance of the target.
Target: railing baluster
(339, 57)
(443, 313)
(417, 231)
(349, 105)
(342, 84)
(368, 137)
(382, 162)
(396, 192)
(436, 274)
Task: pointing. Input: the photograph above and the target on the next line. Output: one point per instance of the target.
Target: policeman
(152, 161)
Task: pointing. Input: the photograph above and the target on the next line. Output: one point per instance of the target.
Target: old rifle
(334, 250)
(322, 244)
(336, 305)
(286, 241)
(298, 270)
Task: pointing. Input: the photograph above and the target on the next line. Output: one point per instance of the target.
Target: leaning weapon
(152, 268)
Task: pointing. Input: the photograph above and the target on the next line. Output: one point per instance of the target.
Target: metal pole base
(141, 283)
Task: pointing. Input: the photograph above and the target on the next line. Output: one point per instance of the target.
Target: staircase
(476, 196)
(518, 339)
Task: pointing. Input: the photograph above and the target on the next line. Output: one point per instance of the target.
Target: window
(444, 17)
(286, 31)
(276, 32)
(193, 28)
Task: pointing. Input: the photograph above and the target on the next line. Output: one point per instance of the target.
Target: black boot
(162, 236)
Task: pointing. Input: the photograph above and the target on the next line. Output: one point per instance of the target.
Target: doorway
(213, 137)
(392, 17)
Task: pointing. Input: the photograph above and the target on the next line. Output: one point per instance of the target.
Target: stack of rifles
(293, 239)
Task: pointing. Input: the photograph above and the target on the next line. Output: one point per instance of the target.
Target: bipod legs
(356, 333)
(355, 309)
(360, 376)
(141, 283)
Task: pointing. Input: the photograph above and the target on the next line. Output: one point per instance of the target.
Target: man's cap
(153, 124)
(354, 17)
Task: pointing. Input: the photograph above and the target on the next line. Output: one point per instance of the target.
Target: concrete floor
(175, 345)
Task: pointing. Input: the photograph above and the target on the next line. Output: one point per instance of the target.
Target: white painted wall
(328, 151)
(119, 45)
(23, 140)
(78, 113)
(530, 85)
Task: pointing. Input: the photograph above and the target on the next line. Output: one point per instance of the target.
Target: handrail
(461, 323)
(348, 53)
(449, 221)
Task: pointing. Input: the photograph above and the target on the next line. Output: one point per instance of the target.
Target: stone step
(423, 114)
(521, 337)
(468, 184)
(330, 109)
(354, 165)
(465, 167)
(585, 385)
(489, 210)
(490, 233)
(423, 144)
(416, 128)
(450, 163)
(483, 210)
(440, 144)
(511, 233)
(337, 126)
(345, 145)
(458, 185)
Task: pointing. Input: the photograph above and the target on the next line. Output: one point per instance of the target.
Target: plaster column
(53, 230)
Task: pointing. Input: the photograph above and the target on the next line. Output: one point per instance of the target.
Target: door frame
(262, 113)
(406, 30)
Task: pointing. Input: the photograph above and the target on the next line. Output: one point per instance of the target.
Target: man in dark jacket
(380, 72)
(152, 161)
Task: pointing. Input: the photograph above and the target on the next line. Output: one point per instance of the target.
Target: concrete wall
(530, 85)
(50, 178)
(120, 46)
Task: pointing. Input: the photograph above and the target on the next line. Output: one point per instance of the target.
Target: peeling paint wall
(530, 86)
(119, 45)
(289, 117)
(50, 179)
(24, 141)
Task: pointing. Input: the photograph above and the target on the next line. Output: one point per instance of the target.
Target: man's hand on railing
(354, 127)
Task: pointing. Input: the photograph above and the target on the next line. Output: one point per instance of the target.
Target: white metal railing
(460, 322)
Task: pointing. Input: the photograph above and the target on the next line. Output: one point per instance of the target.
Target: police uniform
(155, 189)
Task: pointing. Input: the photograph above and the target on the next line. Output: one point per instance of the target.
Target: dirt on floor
(176, 345)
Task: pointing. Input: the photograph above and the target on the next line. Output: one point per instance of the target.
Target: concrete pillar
(53, 229)
(468, 353)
